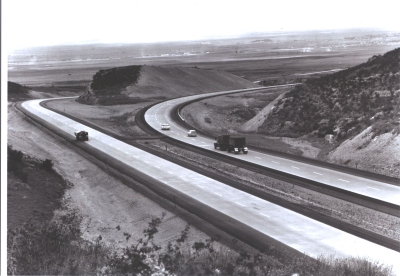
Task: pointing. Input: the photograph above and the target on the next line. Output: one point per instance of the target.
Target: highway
(161, 113)
(296, 231)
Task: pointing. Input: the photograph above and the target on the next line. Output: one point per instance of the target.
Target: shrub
(14, 155)
(207, 120)
(14, 163)
(52, 248)
(47, 165)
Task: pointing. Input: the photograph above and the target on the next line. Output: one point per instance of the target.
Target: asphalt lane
(297, 231)
(160, 113)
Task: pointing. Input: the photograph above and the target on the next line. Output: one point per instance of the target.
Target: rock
(329, 138)
(324, 122)
(337, 131)
(377, 116)
(337, 106)
(288, 125)
(315, 133)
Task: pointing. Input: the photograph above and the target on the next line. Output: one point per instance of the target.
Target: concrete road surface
(290, 228)
(160, 114)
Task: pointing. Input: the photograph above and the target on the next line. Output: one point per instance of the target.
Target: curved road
(290, 228)
(161, 113)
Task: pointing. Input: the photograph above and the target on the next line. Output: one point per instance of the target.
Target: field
(273, 58)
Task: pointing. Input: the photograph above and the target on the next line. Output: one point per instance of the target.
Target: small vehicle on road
(81, 135)
(192, 133)
(165, 127)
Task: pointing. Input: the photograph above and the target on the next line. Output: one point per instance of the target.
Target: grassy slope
(129, 85)
(33, 193)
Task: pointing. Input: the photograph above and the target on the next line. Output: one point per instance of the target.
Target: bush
(47, 165)
(115, 76)
(14, 163)
(14, 155)
(52, 248)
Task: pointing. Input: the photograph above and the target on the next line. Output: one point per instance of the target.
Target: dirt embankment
(158, 82)
(366, 151)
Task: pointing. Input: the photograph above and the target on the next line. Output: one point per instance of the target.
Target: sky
(28, 23)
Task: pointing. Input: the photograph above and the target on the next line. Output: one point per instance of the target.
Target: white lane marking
(157, 167)
(294, 167)
(217, 194)
(373, 188)
(257, 157)
(170, 172)
(136, 156)
(183, 178)
(239, 203)
(146, 162)
(264, 215)
(275, 162)
(317, 173)
(343, 180)
(200, 186)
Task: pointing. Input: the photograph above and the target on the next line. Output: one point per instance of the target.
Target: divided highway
(161, 113)
(257, 220)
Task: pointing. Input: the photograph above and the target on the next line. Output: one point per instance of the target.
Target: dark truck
(235, 144)
(81, 135)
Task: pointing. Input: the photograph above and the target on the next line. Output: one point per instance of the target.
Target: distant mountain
(130, 84)
(342, 104)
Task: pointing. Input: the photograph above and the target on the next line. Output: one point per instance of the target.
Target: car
(165, 127)
(81, 135)
(192, 133)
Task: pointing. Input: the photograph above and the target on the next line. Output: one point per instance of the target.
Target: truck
(81, 135)
(235, 144)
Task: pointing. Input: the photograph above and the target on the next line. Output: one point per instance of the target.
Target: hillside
(132, 84)
(17, 92)
(356, 111)
(342, 104)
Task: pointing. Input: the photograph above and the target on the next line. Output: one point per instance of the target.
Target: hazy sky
(49, 22)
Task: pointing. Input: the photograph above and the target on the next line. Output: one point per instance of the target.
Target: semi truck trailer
(235, 144)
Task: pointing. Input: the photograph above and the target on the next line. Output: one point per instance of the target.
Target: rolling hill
(137, 83)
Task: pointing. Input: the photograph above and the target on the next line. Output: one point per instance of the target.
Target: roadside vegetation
(17, 92)
(55, 248)
(34, 189)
